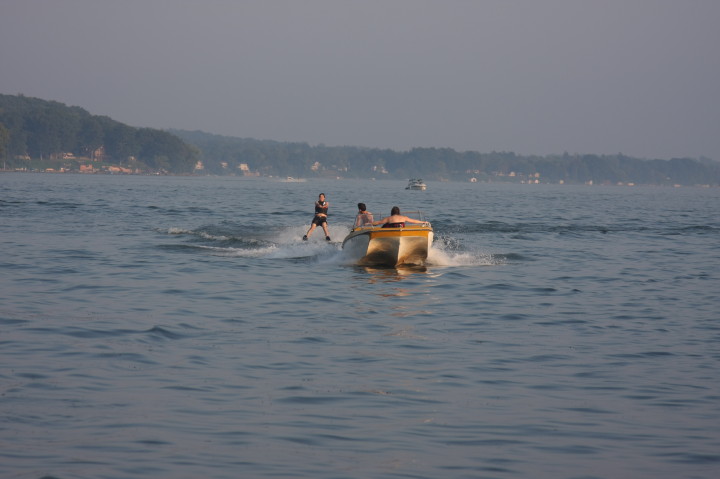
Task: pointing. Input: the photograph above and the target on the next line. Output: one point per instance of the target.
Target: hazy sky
(640, 77)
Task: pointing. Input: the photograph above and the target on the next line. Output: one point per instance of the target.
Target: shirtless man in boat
(396, 220)
(320, 218)
(364, 217)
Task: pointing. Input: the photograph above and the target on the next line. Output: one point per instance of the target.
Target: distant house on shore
(98, 154)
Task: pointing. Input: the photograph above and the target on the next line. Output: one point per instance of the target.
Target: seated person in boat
(363, 217)
(396, 220)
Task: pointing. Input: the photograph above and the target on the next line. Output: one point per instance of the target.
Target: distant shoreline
(304, 180)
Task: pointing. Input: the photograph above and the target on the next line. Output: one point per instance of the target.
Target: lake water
(178, 327)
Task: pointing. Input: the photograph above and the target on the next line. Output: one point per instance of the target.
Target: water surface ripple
(179, 328)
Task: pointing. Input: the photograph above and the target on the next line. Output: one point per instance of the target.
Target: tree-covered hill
(35, 131)
(38, 134)
(231, 155)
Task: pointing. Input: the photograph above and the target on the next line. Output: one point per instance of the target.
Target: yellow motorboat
(390, 246)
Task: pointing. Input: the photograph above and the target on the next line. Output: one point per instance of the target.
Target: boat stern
(389, 246)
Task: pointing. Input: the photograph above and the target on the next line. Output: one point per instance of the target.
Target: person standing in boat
(364, 217)
(396, 220)
(320, 218)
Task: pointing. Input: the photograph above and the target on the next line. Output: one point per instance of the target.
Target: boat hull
(373, 246)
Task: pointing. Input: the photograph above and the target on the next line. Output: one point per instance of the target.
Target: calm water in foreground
(179, 328)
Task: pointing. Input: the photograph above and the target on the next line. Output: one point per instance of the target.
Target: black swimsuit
(318, 219)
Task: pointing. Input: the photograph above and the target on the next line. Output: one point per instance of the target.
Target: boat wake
(235, 241)
(242, 242)
(439, 256)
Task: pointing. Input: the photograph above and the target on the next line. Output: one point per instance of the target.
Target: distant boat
(290, 179)
(416, 184)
